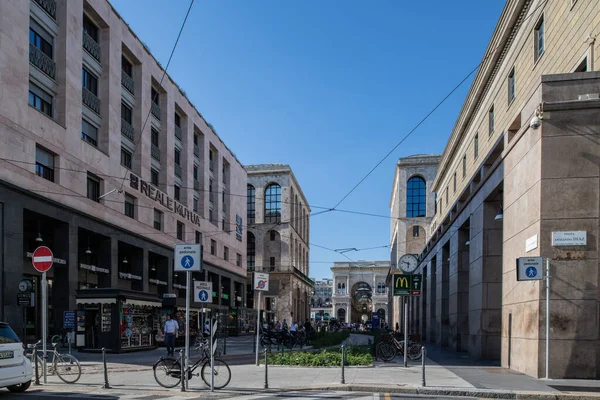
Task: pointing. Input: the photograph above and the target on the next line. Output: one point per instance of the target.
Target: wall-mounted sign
(238, 228)
(407, 284)
(93, 268)
(54, 259)
(531, 243)
(530, 268)
(574, 238)
(157, 282)
(125, 275)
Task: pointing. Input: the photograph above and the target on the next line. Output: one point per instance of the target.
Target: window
(476, 146)
(415, 197)
(223, 225)
(198, 237)
(583, 66)
(158, 218)
(416, 231)
(272, 261)
(226, 253)
(44, 163)
(224, 174)
(177, 120)
(195, 173)
(129, 206)
(125, 158)
(447, 190)
(154, 136)
(93, 187)
(538, 39)
(511, 85)
(89, 81)
(272, 236)
(213, 247)
(491, 119)
(210, 215)
(89, 133)
(126, 67)
(154, 96)
(41, 39)
(454, 182)
(177, 157)
(435, 204)
(464, 166)
(250, 203)
(211, 163)
(195, 140)
(40, 99)
(126, 113)
(273, 203)
(250, 249)
(210, 191)
(154, 177)
(179, 230)
(238, 259)
(177, 193)
(195, 204)
(223, 198)
(90, 28)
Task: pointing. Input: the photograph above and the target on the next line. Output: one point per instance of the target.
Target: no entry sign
(42, 259)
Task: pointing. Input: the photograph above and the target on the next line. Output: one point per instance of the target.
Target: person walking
(171, 328)
(284, 325)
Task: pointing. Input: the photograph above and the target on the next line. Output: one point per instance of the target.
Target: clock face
(24, 285)
(408, 263)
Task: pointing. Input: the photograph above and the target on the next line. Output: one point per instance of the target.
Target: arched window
(251, 250)
(273, 203)
(415, 197)
(250, 203)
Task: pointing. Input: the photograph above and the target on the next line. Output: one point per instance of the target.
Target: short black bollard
(181, 363)
(106, 385)
(225, 346)
(343, 362)
(37, 372)
(266, 370)
(423, 355)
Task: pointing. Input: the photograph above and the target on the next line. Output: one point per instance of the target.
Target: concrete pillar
(145, 271)
(13, 265)
(114, 263)
(73, 264)
(432, 301)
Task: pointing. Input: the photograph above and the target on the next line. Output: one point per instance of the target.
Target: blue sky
(328, 87)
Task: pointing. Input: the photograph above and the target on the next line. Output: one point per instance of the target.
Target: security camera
(535, 122)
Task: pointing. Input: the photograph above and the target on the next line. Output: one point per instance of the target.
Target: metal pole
(37, 372)
(106, 385)
(69, 340)
(188, 276)
(405, 331)
(423, 355)
(44, 323)
(343, 354)
(547, 318)
(258, 326)
(266, 370)
(182, 370)
(212, 355)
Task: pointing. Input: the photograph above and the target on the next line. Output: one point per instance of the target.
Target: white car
(15, 367)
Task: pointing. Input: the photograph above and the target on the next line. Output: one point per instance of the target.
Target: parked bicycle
(201, 341)
(65, 365)
(387, 350)
(167, 370)
(62, 340)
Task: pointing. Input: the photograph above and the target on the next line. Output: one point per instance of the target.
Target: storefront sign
(531, 243)
(577, 238)
(125, 275)
(24, 299)
(157, 282)
(93, 268)
(160, 197)
(407, 284)
(530, 268)
(178, 286)
(54, 259)
(69, 319)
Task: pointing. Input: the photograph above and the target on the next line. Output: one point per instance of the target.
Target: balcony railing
(155, 152)
(196, 185)
(49, 6)
(126, 129)
(197, 151)
(91, 46)
(42, 61)
(155, 110)
(127, 82)
(177, 132)
(178, 170)
(90, 100)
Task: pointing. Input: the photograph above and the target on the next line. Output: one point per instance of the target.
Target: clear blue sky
(328, 87)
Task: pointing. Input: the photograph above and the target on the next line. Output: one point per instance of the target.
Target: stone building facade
(320, 301)
(412, 208)
(359, 290)
(278, 237)
(108, 167)
(520, 165)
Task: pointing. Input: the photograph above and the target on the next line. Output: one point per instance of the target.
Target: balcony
(90, 100)
(197, 151)
(91, 46)
(196, 185)
(178, 132)
(155, 152)
(155, 110)
(126, 129)
(49, 6)
(42, 61)
(178, 170)
(127, 82)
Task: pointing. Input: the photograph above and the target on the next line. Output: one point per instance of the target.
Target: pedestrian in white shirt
(171, 328)
(294, 327)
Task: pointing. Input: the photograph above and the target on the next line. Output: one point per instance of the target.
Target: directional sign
(407, 285)
(530, 268)
(42, 259)
(188, 257)
(203, 292)
(261, 281)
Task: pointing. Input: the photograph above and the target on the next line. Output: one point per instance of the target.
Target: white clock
(408, 263)
(25, 285)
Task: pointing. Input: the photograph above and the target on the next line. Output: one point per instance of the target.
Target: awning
(96, 301)
(142, 303)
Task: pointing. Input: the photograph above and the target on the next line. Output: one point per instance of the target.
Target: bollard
(225, 346)
(181, 361)
(343, 362)
(266, 370)
(423, 354)
(37, 372)
(106, 385)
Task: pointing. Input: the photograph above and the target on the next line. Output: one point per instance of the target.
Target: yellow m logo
(402, 282)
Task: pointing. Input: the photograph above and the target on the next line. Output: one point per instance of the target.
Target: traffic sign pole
(547, 317)
(44, 323)
(405, 331)
(188, 277)
(258, 325)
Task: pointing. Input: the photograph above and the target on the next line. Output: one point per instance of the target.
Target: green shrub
(355, 355)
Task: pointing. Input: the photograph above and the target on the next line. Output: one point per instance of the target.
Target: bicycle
(167, 370)
(200, 342)
(63, 339)
(65, 365)
(389, 349)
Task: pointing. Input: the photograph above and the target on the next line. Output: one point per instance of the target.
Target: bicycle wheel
(414, 352)
(167, 372)
(67, 368)
(40, 367)
(386, 351)
(221, 371)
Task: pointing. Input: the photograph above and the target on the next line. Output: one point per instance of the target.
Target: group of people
(283, 326)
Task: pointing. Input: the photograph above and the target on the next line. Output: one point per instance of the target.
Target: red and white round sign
(42, 259)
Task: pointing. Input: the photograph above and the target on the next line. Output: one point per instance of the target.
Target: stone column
(432, 301)
(114, 263)
(145, 271)
(73, 264)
